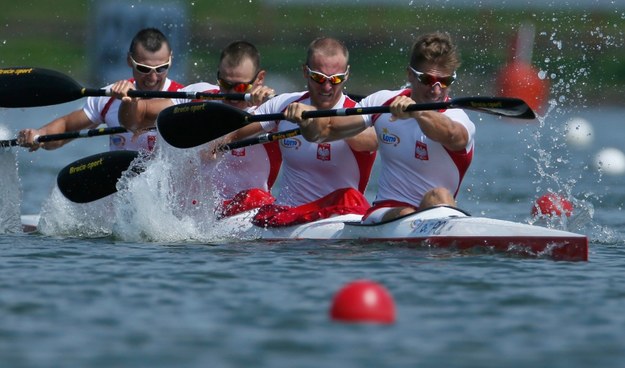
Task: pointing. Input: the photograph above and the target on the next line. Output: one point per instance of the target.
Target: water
(70, 300)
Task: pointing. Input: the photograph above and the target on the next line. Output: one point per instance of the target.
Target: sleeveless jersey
(313, 170)
(103, 110)
(411, 163)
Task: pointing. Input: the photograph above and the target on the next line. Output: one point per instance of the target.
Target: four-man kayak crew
(252, 168)
(424, 154)
(318, 180)
(150, 58)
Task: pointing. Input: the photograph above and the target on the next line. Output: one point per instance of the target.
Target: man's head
(433, 63)
(149, 56)
(239, 70)
(326, 71)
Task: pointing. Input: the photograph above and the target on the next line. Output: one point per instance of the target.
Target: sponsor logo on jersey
(324, 152)
(118, 141)
(421, 151)
(388, 138)
(239, 152)
(291, 143)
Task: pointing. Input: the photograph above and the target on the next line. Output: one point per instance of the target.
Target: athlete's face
(243, 78)
(143, 62)
(430, 83)
(325, 95)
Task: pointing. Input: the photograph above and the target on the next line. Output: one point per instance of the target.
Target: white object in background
(579, 132)
(610, 161)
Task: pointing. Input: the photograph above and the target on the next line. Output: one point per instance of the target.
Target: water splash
(171, 200)
(10, 201)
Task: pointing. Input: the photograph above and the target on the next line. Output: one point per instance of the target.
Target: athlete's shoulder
(380, 97)
(200, 87)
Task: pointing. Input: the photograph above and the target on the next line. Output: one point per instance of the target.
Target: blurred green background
(579, 49)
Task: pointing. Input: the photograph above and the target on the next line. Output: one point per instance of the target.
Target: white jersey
(313, 170)
(103, 110)
(239, 169)
(411, 163)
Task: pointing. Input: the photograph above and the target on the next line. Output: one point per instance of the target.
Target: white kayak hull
(439, 227)
(443, 227)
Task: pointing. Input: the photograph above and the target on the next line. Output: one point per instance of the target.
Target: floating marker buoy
(363, 301)
(610, 161)
(552, 204)
(518, 78)
(521, 80)
(579, 132)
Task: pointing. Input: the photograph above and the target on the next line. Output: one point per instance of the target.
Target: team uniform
(411, 163)
(313, 170)
(318, 180)
(242, 169)
(103, 110)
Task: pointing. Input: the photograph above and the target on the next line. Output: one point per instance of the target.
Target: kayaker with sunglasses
(317, 180)
(424, 154)
(149, 57)
(246, 173)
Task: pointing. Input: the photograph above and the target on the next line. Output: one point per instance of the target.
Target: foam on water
(10, 201)
(171, 200)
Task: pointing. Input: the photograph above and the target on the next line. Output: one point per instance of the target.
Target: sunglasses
(238, 87)
(147, 69)
(321, 78)
(431, 80)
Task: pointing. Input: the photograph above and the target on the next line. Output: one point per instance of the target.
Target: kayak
(437, 227)
(440, 227)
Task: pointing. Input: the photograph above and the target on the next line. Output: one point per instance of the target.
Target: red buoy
(363, 301)
(518, 78)
(552, 204)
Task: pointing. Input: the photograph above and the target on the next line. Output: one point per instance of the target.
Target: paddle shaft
(261, 139)
(30, 87)
(92, 92)
(499, 106)
(68, 135)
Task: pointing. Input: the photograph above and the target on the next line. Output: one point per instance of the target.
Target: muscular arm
(365, 141)
(442, 129)
(435, 125)
(73, 121)
(245, 132)
(324, 129)
(135, 114)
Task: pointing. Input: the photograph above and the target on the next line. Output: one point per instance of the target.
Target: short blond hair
(435, 48)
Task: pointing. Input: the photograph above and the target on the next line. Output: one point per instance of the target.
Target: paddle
(68, 135)
(213, 120)
(30, 87)
(94, 177)
(261, 139)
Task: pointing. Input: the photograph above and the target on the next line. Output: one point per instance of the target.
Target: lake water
(100, 301)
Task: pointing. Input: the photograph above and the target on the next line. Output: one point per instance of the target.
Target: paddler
(246, 174)
(150, 58)
(424, 154)
(318, 180)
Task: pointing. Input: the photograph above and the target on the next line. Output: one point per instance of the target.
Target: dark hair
(237, 51)
(150, 38)
(326, 46)
(436, 48)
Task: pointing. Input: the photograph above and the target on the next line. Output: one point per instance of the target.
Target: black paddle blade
(29, 87)
(195, 123)
(94, 177)
(501, 106)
